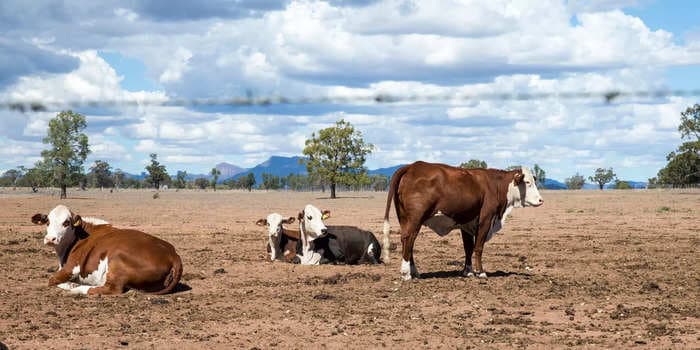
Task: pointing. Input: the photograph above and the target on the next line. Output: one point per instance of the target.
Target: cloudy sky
(56, 51)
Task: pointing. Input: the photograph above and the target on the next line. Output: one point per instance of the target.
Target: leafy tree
(201, 182)
(474, 164)
(181, 179)
(622, 185)
(10, 177)
(379, 182)
(215, 173)
(69, 149)
(575, 182)
(337, 155)
(38, 176)
(684, 164)
(270, 182)
(118, 178)
(156, 172)
(248, 182)
(602, 176)
(100, 174)
(539, 175)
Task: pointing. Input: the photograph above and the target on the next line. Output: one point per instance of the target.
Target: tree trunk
(332, 191)
(601, 186)
(63, 192)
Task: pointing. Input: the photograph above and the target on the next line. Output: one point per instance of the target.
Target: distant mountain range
(283, 166)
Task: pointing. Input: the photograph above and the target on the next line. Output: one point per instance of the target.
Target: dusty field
(588, 269)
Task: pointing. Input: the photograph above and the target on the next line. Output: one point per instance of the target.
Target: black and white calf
(334, 244)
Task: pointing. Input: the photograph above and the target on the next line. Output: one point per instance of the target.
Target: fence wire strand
(606, 96)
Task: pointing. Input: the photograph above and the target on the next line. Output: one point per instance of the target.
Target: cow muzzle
(51, 240)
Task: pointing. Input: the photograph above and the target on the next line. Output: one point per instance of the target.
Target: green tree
(248, 182)
(539, 175)
(118, 178)
(622, 185)
(38, 176)
(157, 174)
(69, 149)
(201, 182)
(474, 164)
(270, 182)
(100, 175)
(181, 179)
(337, 155)
(215, 173)
(602, 176)
(379, 182)
(10, 177)
(575, 182)
(684, 164)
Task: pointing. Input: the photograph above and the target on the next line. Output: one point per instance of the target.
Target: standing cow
(444, 198)
(96, 258)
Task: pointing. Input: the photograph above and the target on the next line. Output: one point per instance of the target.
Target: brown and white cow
(444, 198)
(283, 243)
(96, 258)
(323, 244)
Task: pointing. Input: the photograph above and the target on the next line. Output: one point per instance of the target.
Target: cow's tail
(393, 189)
(173, 277)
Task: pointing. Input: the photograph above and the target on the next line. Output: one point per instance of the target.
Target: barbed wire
(606, 96)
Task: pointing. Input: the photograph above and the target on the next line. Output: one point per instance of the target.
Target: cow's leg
(409, 233)
(468, 242)
(480, 239)
(61, 276)
(107, 289)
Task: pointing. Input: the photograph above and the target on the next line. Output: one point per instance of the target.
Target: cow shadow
(179, 288)
(3, 346)
(458, 274)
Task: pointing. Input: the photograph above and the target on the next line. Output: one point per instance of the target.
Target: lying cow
(283, 244)
(96, 258)
(444, 198)
(334, 244)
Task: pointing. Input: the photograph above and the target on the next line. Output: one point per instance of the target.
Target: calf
(444, 198)
(282, 243)
(335, 244)
(103, 259)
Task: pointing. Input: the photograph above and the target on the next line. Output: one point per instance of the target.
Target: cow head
(60, 222)
(524, 190)
(311, 222)
(274, 224)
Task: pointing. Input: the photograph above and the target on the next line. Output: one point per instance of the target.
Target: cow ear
(40, 219)
(325, 214)
(301, 215)
(518, 178)
(289, 220)
(261, 222)
(77, 221)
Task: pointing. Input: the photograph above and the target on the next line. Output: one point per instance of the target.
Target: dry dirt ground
(589, 269)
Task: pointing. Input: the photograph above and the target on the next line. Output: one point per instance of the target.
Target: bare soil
(589, 269)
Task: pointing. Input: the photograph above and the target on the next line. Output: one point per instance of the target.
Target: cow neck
(309, 256)
(506, 204)
(70, 239)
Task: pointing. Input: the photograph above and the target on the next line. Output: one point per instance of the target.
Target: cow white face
(274, 224)
(59, 222)
(525, 192)
(311, 222)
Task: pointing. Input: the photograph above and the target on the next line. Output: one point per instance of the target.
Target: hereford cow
(282, 243)
(96, 258)
(335, 244)
(444, 198)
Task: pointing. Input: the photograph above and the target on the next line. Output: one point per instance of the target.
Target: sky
(131, 51)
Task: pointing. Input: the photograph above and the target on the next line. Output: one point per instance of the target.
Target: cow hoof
(467, 274)
(406, 277)
(482, 275)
